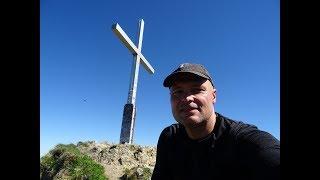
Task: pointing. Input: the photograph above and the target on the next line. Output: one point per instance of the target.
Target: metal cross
(129, 111)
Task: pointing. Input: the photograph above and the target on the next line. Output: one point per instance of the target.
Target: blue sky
(82, 59)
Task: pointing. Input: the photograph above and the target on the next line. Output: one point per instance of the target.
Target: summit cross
(129, 111)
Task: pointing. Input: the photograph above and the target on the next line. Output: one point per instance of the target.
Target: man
(206, 145)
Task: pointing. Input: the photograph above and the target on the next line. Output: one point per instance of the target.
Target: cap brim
(169, 80)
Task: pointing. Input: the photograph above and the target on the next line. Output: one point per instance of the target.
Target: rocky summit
(91, 160)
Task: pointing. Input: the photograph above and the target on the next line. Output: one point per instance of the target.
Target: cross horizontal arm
(130, 45)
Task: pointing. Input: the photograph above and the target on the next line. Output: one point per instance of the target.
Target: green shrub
(147, 173)
(85, 144)
(76, 164)
(84, 166)
(132, 174)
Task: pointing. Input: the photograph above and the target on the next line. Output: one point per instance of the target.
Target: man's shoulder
(238, 128)
(172, 130)
(236, 125)
(247, 133)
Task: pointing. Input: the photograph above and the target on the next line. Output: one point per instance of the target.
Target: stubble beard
(191, 122)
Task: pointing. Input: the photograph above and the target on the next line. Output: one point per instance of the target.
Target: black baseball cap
(187, 68)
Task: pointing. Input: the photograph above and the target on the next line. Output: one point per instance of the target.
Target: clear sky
(85, 69)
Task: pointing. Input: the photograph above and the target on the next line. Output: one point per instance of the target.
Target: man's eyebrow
(175, 88)
(197, 84)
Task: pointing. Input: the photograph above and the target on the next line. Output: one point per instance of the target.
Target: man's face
(192, 101)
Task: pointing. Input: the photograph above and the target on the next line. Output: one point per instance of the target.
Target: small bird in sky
(84, 100)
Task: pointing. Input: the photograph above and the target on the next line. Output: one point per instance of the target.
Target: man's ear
(214, 96)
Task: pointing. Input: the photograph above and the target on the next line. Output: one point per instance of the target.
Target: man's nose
(188, 97)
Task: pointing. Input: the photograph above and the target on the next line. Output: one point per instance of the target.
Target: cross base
(128, 122)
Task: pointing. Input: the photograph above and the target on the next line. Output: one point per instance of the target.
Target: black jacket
(233, 150)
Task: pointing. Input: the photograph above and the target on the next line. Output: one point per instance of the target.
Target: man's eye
(197, 90)
(177, 92)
